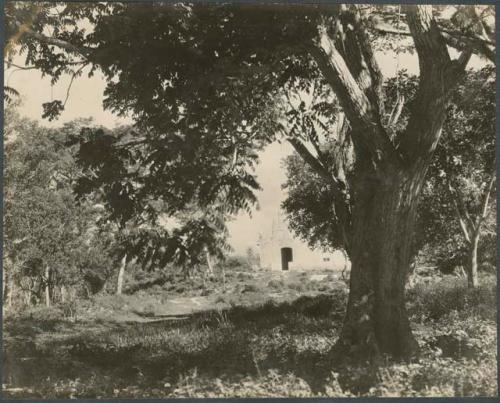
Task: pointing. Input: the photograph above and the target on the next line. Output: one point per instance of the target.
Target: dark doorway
(286, 257)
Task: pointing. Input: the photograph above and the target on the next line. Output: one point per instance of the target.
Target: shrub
(300, 287)
(236, 262)
(250, 288)
(220, 299)
(244, 276)
(276, 284)
(435, 300)
(324, 287)
(68, 308)
(206, 292)
(46, 314)
(111, 302)
(148, 310)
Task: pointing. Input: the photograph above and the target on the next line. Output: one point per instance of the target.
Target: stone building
(281, 251)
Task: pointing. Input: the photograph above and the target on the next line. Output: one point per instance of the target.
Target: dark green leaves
(52, 110)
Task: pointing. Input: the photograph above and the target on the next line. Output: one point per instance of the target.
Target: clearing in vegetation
(268, 335)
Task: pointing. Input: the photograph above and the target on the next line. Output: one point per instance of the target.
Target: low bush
(276, 284)
(296, 286)
(220, 300)
(147, 310)
(250, 288)
(69, 308)
(435, 300)
(241, 276)
(45, 314)
(206, 292)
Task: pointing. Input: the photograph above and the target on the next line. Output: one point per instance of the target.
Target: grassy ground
(265, 336)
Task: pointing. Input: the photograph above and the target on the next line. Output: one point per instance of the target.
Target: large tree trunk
(388, 173)
(121, 275)
(376, 320)
(472, 277)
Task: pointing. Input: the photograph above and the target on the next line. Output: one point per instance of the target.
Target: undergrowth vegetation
(250, 348)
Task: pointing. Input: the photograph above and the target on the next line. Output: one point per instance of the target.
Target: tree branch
(374, 85)
(396, 110)
(466, 222)
(429, 108)
(486, 199)
(10, 64)
(83, 51)
(428, 40)
(355, 103)
(362, 113)
(338, 187)
(310, 159)
(453, 39)
(75, 73)
(463, 226)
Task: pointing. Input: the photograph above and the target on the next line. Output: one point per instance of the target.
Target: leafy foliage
(43, 225)
(463, 167)
(309, 206)
(219, 77)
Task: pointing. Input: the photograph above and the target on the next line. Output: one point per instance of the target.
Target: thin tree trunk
(223, 278)
(344, 270)
(12, 290)
(8, 282)
(47, 286)
(121, 274)
(472, 276)
(4, 282)
(63, 294)
(209, 262)
(7, 289)
(29, 297)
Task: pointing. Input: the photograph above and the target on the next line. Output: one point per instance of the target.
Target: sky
(85, 100)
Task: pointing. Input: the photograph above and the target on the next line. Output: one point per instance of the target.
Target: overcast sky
(86, 98)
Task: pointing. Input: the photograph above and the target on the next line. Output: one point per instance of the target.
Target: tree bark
(47, 286)
(384, 216)
(472, 276)
(121, 275)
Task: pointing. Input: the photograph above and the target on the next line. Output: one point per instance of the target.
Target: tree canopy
(210, 77)
(45, 230)
(459, 194)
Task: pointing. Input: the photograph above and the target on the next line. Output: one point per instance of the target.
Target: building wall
(303, 257)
